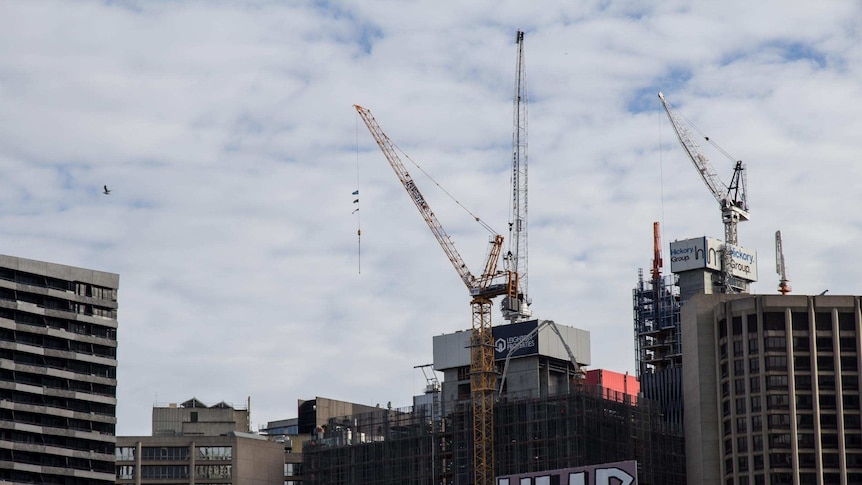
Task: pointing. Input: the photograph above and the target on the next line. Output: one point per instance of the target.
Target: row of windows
(78, 287)
(215, 453)
(45, 439)
(800, 321)
(51, 382)
(50, 460)
(825, 383)
(55, 421)
(57, 343)
(76, 405)
(68, 325)
(59, 363)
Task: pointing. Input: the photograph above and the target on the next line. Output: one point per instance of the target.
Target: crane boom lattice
(731, 198)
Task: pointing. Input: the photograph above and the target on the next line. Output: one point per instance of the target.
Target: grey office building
(58, 363)
(771, 389)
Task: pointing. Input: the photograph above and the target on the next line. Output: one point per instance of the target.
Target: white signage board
(695, 253)
(743, 263)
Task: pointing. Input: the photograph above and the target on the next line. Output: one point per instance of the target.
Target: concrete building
(772, 389)
(235, 458)
(193, 443)
(58, 364)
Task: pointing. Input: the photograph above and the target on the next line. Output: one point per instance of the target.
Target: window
(754, 365)
(155, 472)
(742, 444)
(827, 401)
(213, 471)
(776, 362)
(773, 321)
(151, 453)
(779, 440)
(800, 344)
(776, 382)
(756, 424)
(822, 320)
(824, 344)
(772, 344)
(755, 404)
(740, 425)
(126, 472)
(778, 421)
(825, 363)
(777, 401)
(125, 453)
(215, 453)
(752, 344)
(755, 384)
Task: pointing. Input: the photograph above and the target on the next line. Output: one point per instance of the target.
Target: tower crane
(516, 307)
(783, 280)
(482, 289)
(731, 197)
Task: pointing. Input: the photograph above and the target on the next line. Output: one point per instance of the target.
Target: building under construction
(579, 427)
(658, 346)
(542, 421)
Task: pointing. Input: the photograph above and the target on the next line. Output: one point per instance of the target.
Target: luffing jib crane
(783, 280)
(516, 307)
(731, 197)
(483, 289)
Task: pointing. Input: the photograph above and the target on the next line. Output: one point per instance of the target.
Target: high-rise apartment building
(772, 389)
(58, 363)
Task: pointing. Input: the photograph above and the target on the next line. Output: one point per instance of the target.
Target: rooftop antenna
(783, 280)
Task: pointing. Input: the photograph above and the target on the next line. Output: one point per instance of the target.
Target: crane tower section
(516, 307)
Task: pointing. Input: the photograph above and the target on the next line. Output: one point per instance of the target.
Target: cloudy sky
(227, 133)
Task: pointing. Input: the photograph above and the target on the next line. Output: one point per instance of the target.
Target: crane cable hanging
(468, 211)
(356, 210)
(705, 137)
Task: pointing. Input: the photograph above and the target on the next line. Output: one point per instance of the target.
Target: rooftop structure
(194, 418)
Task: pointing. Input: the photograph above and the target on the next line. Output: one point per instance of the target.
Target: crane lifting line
(356, 211)
(480, 221)
(701, 133)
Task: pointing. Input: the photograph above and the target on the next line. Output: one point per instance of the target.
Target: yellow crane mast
(482, 289)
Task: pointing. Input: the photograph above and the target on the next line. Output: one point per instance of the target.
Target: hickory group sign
(705, 253)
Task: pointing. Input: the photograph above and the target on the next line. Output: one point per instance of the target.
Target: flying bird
(107, 191)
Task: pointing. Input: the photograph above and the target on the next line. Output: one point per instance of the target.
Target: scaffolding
(586, 426)
(658, 346)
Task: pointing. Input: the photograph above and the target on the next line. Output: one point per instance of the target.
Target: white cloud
(227, 133)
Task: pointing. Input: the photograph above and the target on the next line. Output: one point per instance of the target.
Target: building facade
(235, 458)
(58, 364)
(772, 389)
(195, 443)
